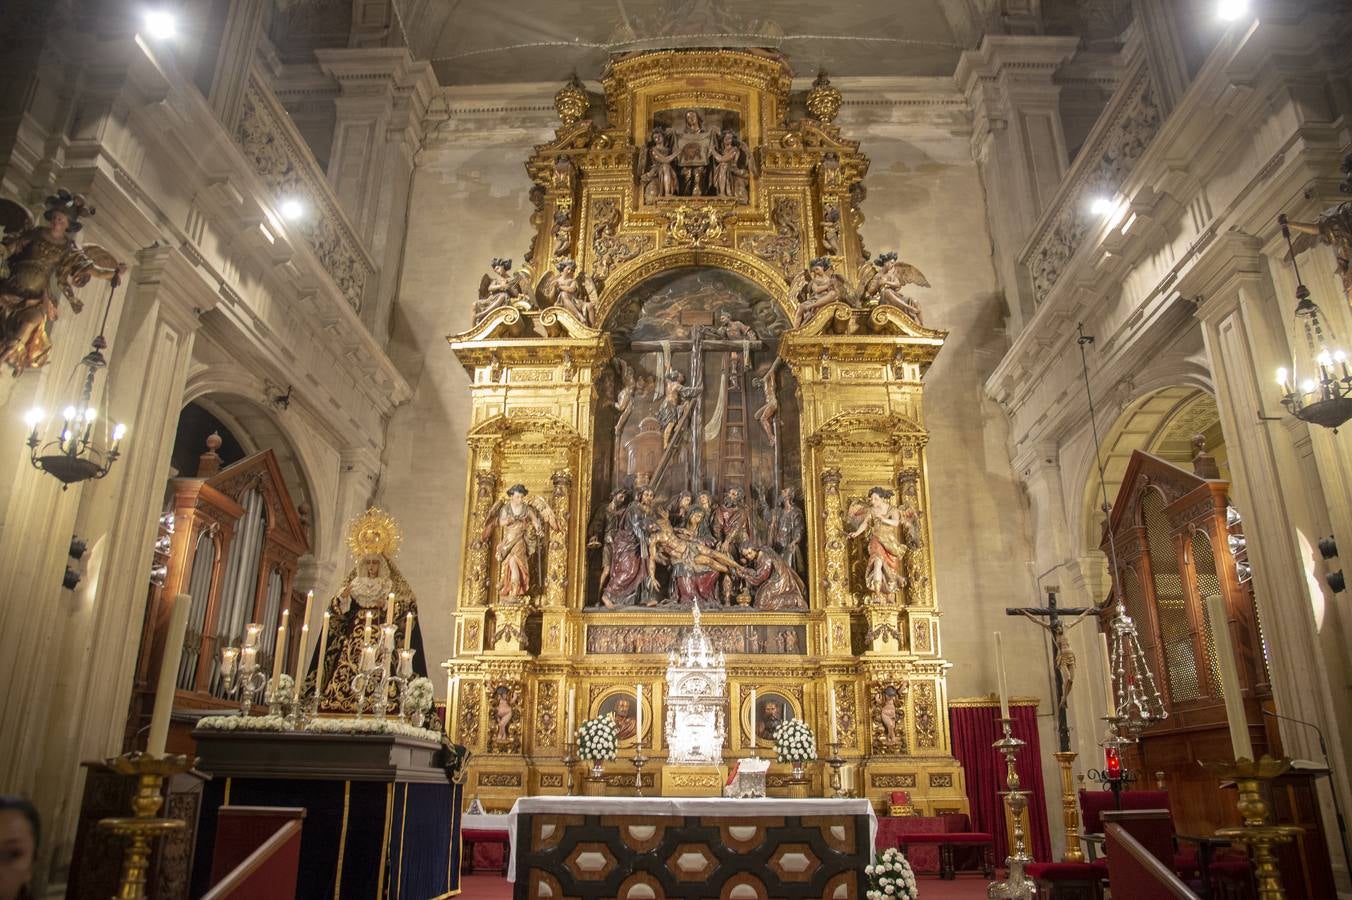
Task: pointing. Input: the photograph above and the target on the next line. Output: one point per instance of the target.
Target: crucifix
(1063, 658)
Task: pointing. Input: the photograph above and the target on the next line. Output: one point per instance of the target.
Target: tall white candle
(835, 734)
(754, 734)
(1000, 674)
(638, 712)
(279, 649)
(164, 687)
(389, 609)
(408, 629)
(323, 648)
(1107, 665)
(572, 698)
(301, 661)
(1229, 666)
(367, 633)
(450, 699)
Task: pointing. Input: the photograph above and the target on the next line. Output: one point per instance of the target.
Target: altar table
(653, 848)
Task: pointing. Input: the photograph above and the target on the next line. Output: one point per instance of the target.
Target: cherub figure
(521, 524)
(881, 518)
(657, 175)
(574, 291)
(816, 289)
(883, 281)
(501, 287)
(38, 266)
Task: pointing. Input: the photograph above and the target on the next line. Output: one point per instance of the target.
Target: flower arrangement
(285, 688)
(597, 739)
(318, 726)
(419, 698)
(794, 742)
(890, 877)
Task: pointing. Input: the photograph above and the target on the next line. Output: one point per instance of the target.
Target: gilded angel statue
(40, 264)
(817, 288)
(521, 525)
(1334, 227)
(575, 291)
(501, 287)
(883, 279)
(732, 166)
(656, 172)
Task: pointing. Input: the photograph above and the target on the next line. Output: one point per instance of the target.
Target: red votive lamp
(1112, 762)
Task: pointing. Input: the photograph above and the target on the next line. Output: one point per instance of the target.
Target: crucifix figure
(1063, 658)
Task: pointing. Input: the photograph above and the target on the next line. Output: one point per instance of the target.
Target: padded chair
(899, 804)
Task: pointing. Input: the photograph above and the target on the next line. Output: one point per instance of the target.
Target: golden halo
(374, 531)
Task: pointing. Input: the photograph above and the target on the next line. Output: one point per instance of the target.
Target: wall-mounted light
(159, 24)
(292, 209)
(1102, 206)
(1230, 10)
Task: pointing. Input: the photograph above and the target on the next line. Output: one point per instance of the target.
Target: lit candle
(408, 629)
(229, 661)
(572, 697)
(389, 609)
(1109, 698)
(835, 735)
(367, 635)
(1229, 668)
(323, 649)
(753, 717)
(252, 632)
(164, 689)
(638, 713)
(279, 649)
(248, 659)
(405, 663)
(368, 657)
(1000, 674)
(300, 653)
(387, 633)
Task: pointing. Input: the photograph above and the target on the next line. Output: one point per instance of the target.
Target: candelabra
(1257, 832)
(240, 670)
(835, 762)
(1017, 885)
(569, 761)
(144, 826)
(377, 658)
(639, 762)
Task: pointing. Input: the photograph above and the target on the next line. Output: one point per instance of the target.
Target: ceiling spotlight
(292, 209)
(1230, 10)
(159, 24)
(1102, 206)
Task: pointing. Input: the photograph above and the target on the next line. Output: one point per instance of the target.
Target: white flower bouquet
(794, 742)
(419, 698)
(318, 726)
(597, 739)
(890, 877)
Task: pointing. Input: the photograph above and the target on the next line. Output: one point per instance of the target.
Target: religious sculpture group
(700, 393)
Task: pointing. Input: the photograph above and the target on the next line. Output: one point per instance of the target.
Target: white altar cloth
(686, 806)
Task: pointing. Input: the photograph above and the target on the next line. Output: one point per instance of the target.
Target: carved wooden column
(836, 555)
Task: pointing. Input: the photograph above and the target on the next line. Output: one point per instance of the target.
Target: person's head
(693, 119)
(645, 496)
(19, 833)
(733, 496)
(879, 497)
(771, 709)
(696, 516)
(724, 318)
(517, 493)
(786, 495)
(617, 498)
(820, 266)
(705, 498)
(750, 553)
(684, 500)
(728, 138)
(502, 266)
(372, 566)
(622, 707)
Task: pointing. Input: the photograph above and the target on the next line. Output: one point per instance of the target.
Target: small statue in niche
(881, 519)
(816, 289)
(604, 527)
(627, 536)
(503, 713)
(500, 287)
(657, 175)
(787, 528)
(889, 716)
(831, 229)
(675, 397)
(694, 148)
(521, 524)
(883, 281)
(576, 292)
(38, 266)
(768, 413)
(776, 585)
(732, 167)
(562, 233)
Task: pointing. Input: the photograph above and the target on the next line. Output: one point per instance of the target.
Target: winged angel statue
(501, 287)
(817, 288)
(883, 279)
(575, 291)
(521, 522)
(40, 264)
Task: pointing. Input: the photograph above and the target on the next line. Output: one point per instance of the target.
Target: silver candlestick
(639, 762)
(569, 761)
(1017, 885)
(240, 669)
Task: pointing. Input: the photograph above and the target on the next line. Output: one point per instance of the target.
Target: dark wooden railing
(1133, 871)
(257, 853)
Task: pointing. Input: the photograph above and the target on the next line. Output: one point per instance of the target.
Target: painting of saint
(772, 710)
(623, 706)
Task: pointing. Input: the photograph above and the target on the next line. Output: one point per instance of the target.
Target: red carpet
(966, 887)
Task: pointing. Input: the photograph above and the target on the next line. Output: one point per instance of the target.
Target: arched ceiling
(488, 41)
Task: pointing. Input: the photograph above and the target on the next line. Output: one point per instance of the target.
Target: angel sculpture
(501, 287)
(883, 280)
(816, 289)
(656, 174)
(1334, 227)
(881, 519)
(38, 266)
(574, 291)
(733, 165)
(521, 525)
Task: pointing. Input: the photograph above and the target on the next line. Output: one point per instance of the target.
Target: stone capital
(1014, 62)
(171, 277)
(1230, 261)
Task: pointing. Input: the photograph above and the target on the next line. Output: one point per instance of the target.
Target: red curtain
(974, 729)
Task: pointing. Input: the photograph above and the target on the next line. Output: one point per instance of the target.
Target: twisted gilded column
(836, 556)
(556, 575)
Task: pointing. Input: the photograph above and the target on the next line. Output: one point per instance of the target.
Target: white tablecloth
(683, 806)
(490, 821)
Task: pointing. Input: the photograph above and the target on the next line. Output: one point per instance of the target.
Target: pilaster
(238, 44)
(384, 94)
(1017, 142)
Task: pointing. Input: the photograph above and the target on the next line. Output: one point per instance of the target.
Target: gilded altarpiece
(701, 388)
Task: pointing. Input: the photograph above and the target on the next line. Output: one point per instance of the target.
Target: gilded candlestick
(144, 826)
(835, 762)
(1070, 810)
(1258, 832)
(1017, 885)
(639, 762)
(569, 761)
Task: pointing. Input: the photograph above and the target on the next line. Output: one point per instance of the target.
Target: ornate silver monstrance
(696, 700)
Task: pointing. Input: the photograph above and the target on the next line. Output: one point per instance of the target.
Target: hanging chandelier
(1319, 391)
(82, 447)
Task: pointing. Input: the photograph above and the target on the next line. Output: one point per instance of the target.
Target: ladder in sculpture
(733, 457)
